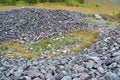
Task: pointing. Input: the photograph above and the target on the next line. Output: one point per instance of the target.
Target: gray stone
(94, 79)
(37, 78)
(116, 53)
(113, 65)
(67, 78)
(94, 58)
(110, 76)
(18, 73)
(26, 78)
(43, 71)
(84, 76)
(76, 79)
(90, 64)
(101, 70)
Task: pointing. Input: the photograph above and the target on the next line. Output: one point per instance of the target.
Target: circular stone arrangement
(100, 62)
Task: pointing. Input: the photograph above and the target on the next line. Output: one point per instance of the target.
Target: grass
(14, 49)
(88, 7)
(83, 38)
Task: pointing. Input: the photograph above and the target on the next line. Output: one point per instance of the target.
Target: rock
(94, 79)
(113, 65)
(18, 73)
(37, 78)
(76, 79)
(1, 76)
(116, 53)
(79, 69)
(101, 70)
(94, 58)
(67, 78)
(59, 76)
(90, 64)
(49, 76)
(110, 76)
(97, 16)
(43, 71)
(84, 76)
(26, 78)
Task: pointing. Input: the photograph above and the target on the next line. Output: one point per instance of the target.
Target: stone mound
(40, 23)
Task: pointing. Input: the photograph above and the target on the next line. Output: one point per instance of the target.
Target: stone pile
(31, 24)
(100, 62)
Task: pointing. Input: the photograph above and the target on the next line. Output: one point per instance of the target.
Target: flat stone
(94, 79)
(101, 70)
(110, 76)
(67, 78)
(78, 69)
(90, 64)
(94, 58)
(76, 79)
(116, 53)
(84, 76)
(37, 78)
(113, 65)
(26, 78)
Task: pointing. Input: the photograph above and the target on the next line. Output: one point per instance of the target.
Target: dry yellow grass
(87, 7)
(13, 49)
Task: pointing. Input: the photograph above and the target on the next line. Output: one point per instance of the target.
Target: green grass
(83, 38)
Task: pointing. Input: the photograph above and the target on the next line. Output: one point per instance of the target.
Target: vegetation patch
(108, 20)
(75, 40)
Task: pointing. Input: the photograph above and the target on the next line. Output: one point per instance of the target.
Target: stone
(37, 78)
(116, 53)
(97, 16)
(76, 79)
(26, 78)
(84, 76)
(18, 73)
(43, 71)
(67, 78)
(49, 76)
(1, 76)
(110, 76)
(94, 58)
(113, 65)
(94, 79)
(79, 69)
(101, 70)
(90, 64)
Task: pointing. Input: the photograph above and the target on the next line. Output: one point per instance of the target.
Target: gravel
(99, 62)
(32, 24)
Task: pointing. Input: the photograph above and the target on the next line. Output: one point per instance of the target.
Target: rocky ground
(34, 24)
(100, 62)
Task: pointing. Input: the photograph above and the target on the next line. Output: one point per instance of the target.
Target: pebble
(84, 76)
(101, 70)
(67, 78)
(90, 64)
(110, 76)
(76, 79)
(113, 65)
